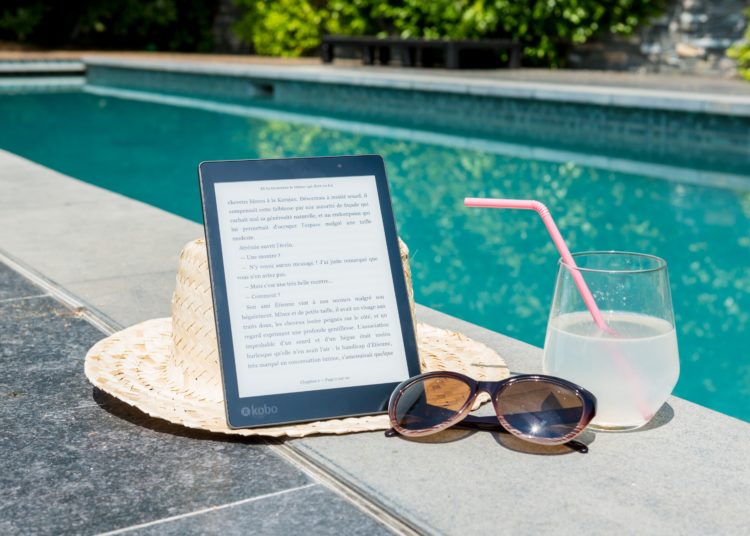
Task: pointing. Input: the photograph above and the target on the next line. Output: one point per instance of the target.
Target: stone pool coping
(687, 473)
(676, 82)
(700, 100)
(42, 66)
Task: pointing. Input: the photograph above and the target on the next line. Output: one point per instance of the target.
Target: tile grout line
(10, 300)
(93, 316)
(207, 510)
(291, 455)
(70, 410)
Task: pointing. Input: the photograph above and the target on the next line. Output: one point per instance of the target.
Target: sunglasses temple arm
(577, 446)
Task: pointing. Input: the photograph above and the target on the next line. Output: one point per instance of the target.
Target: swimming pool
(493, 268)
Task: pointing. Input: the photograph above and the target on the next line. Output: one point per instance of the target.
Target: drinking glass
(631, 367)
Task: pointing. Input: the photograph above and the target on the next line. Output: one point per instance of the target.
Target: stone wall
(691, 37)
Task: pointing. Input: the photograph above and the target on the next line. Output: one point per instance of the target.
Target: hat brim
(134, 366)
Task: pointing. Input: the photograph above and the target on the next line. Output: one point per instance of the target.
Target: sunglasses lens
(540, 410)
(427, 404)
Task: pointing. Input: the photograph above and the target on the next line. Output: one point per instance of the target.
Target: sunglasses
(541, 409)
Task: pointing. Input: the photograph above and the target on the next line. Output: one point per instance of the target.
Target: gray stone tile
(102, 468)
(120, 242)
(674, 476)
(27, 185)
(520, 356)
(129, 299)
(311, 511)
(123, 242)
(76, 463)
(14, 285)
(42, 352)
(677, 478)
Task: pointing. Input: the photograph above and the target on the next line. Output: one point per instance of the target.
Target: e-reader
(311, 305)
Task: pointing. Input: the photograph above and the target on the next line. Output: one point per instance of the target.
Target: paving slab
(27, 185)
(685, 473)
(673, 478)
(90, 471)
(70, 465)
(147, 294)
(94, 257)
(79, 234)
(76, 460)
(43, 366)
(310, 510)
(14, 286)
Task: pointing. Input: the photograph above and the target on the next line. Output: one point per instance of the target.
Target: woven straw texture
(169, 367)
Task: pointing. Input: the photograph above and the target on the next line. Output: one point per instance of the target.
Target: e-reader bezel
(251, 412)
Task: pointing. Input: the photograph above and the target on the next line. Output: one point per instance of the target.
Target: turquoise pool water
(490, 267)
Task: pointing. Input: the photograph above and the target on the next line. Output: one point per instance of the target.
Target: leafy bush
(293, 27)
(741, 52)
(124, 24)
(546, 28)
(20, 22)
(280, 27)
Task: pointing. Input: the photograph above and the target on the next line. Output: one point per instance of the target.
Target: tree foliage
(280, 27)
(113, 24)
(546, 28)
(741, 52)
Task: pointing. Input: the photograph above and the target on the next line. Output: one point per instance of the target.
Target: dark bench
(424, 52)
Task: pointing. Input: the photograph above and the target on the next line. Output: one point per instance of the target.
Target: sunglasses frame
(494, 389)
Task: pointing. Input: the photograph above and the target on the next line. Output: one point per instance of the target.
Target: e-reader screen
(308, 288)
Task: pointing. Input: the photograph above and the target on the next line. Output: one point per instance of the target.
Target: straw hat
(169, 367)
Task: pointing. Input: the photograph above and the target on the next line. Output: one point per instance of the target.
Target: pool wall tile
(624, 131)
(638, 127)
(215, 86)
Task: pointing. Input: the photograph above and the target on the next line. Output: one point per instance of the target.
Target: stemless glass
(632, 368)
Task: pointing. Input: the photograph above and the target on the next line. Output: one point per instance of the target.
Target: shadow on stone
(451, 435)
(662, 417)
(126, 412)
(504, 439)
(511, 442)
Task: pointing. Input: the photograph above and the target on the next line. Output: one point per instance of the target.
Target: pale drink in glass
(633, 366)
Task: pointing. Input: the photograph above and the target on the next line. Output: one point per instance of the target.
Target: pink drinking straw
(583, 289)
(527, 204)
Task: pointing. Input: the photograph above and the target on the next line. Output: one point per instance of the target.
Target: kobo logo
(259, 411)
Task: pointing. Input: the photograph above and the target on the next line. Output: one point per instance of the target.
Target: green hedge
(546, 28)
(741, 52)
(110, 24)
(280, 27)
